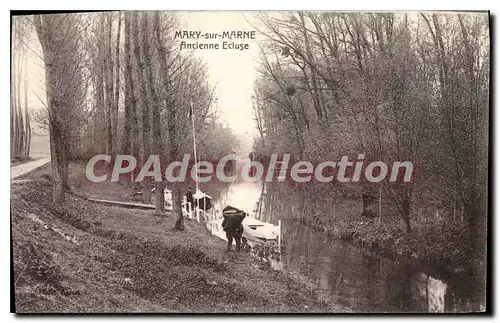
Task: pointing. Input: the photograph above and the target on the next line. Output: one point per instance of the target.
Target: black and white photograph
(333, 162)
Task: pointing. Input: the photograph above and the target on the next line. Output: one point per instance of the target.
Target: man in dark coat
(233, 226)
(189, 197)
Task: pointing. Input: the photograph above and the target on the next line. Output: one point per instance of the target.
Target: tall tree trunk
(171, 122)
(117, 87)
(50, 44)
(56, 140)
(27, 143)
(20, 119)
(65, 155)
(145, 137)
(406, 213)
(156, 111)
(17, 123)
(129, 94)
(13, 106)
(314, 89)
(134, 91)
(57, 163)
(134, 124)
(108, 65)
(101, 81)
(368, 197)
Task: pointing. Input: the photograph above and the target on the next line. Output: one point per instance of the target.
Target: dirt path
(22, 169)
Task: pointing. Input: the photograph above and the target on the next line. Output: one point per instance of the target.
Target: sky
(232, 71)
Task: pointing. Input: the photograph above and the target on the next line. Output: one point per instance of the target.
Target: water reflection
(343, 273)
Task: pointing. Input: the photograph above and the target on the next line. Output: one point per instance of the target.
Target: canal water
(344, 273)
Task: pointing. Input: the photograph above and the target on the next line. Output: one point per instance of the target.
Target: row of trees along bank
(396, 87)
(116, 82)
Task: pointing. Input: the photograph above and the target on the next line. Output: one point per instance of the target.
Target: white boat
(263, 231)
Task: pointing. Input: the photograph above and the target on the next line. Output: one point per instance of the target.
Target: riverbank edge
(393, 243)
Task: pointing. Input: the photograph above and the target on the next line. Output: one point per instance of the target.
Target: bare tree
(172, 124)
(145, 138)
(59, 36)
(116, 86)
(20, 118)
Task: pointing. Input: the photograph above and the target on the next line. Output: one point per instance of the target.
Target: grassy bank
(434, 243)
(85, 257)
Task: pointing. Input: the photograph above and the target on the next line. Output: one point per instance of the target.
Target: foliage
(394, 86)
(118, 83)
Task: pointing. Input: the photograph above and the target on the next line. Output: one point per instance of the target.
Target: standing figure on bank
(190, 199)
(233, 226)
